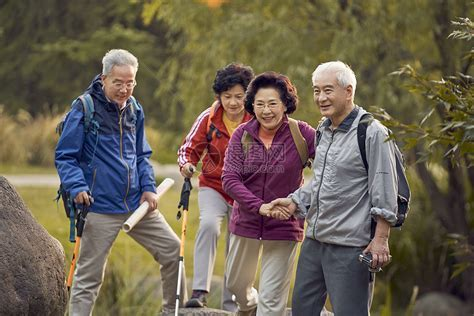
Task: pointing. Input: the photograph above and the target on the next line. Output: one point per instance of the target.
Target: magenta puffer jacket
(261, 175)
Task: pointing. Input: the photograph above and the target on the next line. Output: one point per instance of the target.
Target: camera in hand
(367, 260)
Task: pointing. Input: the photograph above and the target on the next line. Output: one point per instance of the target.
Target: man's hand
(151, 198)
(83, 198)
(284, 206)
(187, 170)
(378, 247)
(265, 210)
(280, 213)
(281, 209)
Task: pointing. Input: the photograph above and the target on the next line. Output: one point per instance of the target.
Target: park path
(52, 180)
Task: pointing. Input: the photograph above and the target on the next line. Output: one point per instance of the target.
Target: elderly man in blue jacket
(108, 159)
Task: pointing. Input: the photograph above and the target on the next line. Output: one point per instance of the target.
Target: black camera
(367, 260)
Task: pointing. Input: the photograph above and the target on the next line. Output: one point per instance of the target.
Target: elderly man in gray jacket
(340, 202)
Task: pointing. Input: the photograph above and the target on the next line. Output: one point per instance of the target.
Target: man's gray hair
(344, 75)
(118, 57)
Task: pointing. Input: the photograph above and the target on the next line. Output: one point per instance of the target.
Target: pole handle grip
(142, 210)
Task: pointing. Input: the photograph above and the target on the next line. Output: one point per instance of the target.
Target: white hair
(118, 57)
(344, 75)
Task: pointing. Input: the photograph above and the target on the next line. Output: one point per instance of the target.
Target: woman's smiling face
(269, 109)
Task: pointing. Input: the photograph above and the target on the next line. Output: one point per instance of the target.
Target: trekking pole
(81, 220)
(184, 202)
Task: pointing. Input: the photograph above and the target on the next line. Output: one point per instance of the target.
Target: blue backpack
(91, 125)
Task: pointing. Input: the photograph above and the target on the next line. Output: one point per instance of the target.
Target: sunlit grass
(132, 283)
(129, 266)
(28, 141)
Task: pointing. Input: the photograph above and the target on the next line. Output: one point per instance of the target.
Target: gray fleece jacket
(342, 197)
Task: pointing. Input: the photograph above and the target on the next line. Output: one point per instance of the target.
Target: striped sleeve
(195, 141)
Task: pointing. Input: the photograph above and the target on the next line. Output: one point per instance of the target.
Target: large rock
(439, 304)
(31, 261)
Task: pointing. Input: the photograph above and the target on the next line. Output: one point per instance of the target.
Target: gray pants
(213, 209)
(335, 270)
(100, 232)
(278, 258)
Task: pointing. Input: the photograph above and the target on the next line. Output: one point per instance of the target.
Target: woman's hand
(187, 170)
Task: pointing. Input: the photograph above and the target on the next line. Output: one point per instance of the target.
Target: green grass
(131, 283)
(130, 286)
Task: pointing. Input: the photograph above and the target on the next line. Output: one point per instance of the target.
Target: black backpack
(403, 195)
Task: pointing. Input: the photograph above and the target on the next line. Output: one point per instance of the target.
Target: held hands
(281, 209)
(151, 198)
(187, 170)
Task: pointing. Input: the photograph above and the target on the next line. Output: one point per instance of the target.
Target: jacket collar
(217, 120)
(347, 122)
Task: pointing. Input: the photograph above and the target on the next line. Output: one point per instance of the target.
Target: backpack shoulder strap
(299, 140)
(135, 105)
(210, 126)
(89, 110)
(318, 132)
(134, 108)
(246, 140)
(364, 122)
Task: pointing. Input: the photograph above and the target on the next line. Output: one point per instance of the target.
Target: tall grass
(26, 140)
(132, 284)
(31, 141)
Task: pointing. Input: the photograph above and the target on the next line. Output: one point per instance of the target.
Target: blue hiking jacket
(113, 164)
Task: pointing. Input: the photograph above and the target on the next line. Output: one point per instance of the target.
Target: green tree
(292, 38)
(443, 144)
(52, 49)
(374, 37)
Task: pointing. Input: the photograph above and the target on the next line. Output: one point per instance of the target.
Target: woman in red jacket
(209, 137)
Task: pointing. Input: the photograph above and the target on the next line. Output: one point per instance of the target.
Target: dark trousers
(330, 269)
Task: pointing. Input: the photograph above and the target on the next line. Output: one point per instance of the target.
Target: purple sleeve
(232, 174)
(309, 134)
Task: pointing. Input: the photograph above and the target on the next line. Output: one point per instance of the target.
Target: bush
(32, 141)
(26, 140)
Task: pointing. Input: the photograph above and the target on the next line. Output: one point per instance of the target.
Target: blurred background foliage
(410, 71)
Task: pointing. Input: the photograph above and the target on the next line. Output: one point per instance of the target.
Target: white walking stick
(142, 210)
(184, 202)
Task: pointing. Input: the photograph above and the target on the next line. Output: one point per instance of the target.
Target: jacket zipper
(93, 181)
(321, 183)
(263, 198)
(264, 185)
(120, 113)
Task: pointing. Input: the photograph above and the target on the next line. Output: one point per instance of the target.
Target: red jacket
(196, 143)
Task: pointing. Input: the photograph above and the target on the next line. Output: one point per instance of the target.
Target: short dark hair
(232, 75)
(279, 82)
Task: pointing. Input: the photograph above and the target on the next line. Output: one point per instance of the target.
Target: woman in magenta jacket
(255, 173)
